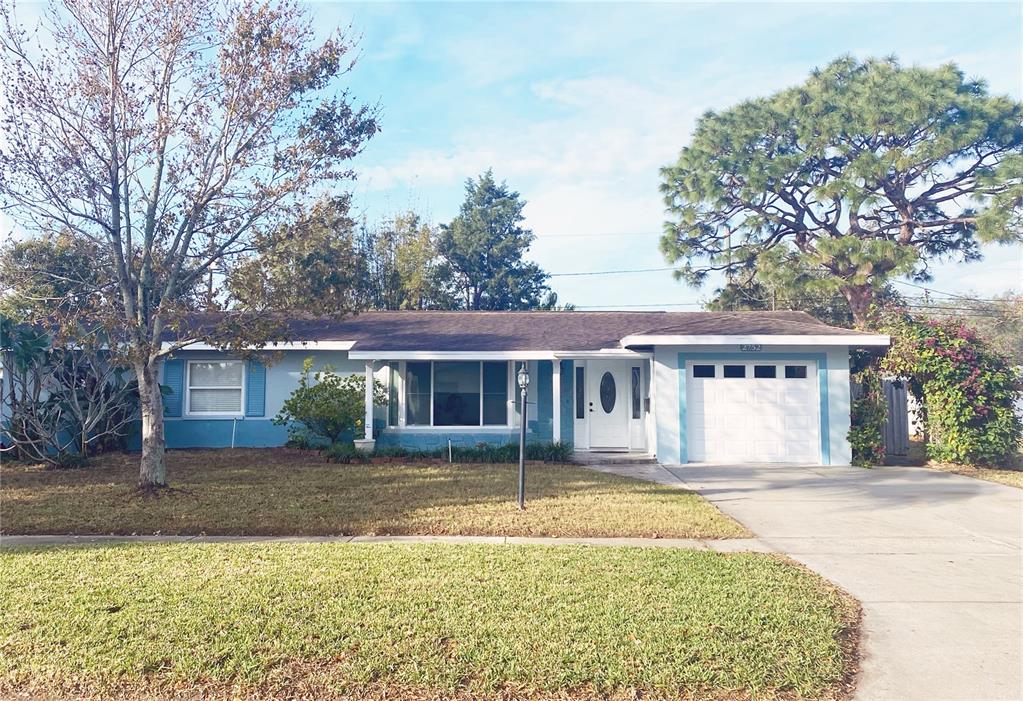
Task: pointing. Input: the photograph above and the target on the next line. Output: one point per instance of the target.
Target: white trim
(297, 345)
(189, 388)
(451, 429)
(604, 353)
(451, 355)
(370, 380)
(556, 403)
(761, 339)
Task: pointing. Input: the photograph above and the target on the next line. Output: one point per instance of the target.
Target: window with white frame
(215, 386)
(456, 393)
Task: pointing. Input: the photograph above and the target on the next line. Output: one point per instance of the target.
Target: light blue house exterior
(683, 387)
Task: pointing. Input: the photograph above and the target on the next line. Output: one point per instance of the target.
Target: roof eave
(756, 339)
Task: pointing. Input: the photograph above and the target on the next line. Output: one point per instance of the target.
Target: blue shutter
(255, 389)
(174, 381)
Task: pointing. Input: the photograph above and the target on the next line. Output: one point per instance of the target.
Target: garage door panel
(765, 395)
(798, 422)
(751, 419)
(732, 395)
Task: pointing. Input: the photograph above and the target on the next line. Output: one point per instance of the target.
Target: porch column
(366, 443)
(369, 400)
(557, 399)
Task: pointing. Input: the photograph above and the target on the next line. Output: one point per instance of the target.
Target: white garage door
(752, 412)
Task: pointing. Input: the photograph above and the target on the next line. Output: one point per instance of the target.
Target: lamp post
(523, 379)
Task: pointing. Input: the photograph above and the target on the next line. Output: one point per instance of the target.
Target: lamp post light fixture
(523, 379)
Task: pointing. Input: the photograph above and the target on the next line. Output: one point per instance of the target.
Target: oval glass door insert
(607, 392)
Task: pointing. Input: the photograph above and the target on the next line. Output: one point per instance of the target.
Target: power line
(598, 234)
(610, 272)
(619, 306)
(942, 292)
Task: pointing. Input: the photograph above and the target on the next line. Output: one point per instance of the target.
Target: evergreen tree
(482, 251)
(866, 172)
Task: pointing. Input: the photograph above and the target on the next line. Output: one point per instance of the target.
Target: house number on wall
(750, 347)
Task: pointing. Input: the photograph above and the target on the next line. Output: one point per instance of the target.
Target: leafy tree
(170, 136)
(311, 266)
(482, 250)
(867, 171)
(771, 287)
(404, 268)
(49, 275)
(328, 408)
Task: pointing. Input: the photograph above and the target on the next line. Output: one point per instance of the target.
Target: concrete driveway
(935, 558)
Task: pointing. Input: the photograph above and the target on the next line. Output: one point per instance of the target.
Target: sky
(578, 105)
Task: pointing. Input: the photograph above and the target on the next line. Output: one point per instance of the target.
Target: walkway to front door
(936, 559)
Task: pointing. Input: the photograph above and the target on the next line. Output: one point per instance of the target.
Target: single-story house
(679, 386)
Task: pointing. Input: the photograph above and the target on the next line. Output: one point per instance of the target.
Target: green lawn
(417, 621)
(290, 492)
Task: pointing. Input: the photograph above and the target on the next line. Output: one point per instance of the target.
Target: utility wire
(942, 292)
(619, 306)
(597, 234)
(659, 270)
(610, 272)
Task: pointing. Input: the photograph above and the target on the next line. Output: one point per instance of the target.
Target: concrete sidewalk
(935, 558)
(729, 545)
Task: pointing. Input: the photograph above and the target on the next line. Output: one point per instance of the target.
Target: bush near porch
(455, 622)
(293, 492)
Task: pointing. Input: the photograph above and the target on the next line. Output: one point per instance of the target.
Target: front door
(608, 405)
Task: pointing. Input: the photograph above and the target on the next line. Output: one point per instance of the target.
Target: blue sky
(577, 105)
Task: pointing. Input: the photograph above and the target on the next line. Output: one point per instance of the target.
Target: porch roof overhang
(296, 345)
(496, 355)
(854, 340)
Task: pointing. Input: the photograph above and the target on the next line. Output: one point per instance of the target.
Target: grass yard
(291, 492)
(331, 621)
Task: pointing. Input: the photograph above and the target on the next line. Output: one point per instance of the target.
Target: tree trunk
(153, 467)
(859, 297)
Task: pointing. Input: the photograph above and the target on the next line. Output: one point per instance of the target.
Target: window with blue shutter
(174, 384)
(255, 389)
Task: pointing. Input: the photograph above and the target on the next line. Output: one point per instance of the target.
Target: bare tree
(172, 135)
(64, 401)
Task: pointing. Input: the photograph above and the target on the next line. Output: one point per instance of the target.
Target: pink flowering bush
(967, 390)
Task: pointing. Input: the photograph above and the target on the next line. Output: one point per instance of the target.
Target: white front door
(750, 411)
(608, 405)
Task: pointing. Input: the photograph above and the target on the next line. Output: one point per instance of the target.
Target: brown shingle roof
(525, 331)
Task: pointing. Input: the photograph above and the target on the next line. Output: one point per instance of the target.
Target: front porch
(599, 402)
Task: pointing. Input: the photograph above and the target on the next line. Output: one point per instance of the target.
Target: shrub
(299, 441)
(967, 390)
(484, 452)
(344, 453)
(866, 434)
(395, 451)
(330, 408)
(548, 452)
